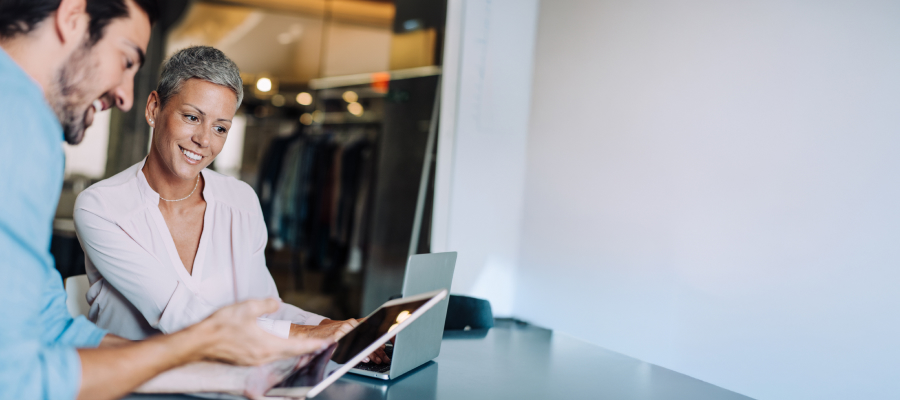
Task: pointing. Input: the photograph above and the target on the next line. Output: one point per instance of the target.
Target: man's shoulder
(23, 108)
(18, 91)
(30, 158)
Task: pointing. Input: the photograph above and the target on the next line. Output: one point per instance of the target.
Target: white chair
(76, 288)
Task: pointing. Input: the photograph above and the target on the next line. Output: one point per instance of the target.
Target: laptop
(421, 342)
(379, 327)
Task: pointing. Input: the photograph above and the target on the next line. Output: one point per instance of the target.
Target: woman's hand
(327, 329)
(334, 330)
(235, 338)
(378, 357)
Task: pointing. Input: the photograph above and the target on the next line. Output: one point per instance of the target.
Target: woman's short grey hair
(200, 62)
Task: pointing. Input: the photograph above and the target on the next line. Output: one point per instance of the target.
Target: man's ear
(71, 21)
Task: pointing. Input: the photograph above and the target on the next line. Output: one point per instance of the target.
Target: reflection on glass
(419, 384)
(402, 316)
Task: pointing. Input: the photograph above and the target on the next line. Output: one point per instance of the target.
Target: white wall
(714, 187)
(480, 174)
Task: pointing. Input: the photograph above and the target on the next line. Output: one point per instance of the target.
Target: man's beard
(67, 95)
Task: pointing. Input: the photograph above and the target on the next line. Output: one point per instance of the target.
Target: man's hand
(235, 337)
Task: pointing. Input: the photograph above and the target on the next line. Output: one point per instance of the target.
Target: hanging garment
(315, 206)
(270, 170)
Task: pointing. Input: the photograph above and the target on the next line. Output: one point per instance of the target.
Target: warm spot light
(392, 327)
(306, 119)
(355, 109)
(264, 84)
(304, 99)
(402, 316)
(350, 96)
(277, 100)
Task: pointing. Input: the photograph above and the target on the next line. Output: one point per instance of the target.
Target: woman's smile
(191, 157)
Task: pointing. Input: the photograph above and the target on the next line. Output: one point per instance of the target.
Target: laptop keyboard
(379, 368)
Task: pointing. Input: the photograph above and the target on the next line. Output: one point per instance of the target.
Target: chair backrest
(76, 288)
(465, 313)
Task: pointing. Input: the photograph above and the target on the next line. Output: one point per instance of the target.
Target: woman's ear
(71, 21)
(153, 108)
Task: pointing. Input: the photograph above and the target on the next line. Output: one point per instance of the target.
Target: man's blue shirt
(38, 337)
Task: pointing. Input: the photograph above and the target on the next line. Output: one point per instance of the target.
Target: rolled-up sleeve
(59, 326)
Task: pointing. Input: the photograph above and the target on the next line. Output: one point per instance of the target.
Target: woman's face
(190, 130)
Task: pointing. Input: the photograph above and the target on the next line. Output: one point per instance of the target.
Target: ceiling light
(264, 84)
(355, 109)
(304, 99)
(350, 96)
(277, 100)
(306, 119)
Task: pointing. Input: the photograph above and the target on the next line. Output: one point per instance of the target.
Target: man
(61, 61)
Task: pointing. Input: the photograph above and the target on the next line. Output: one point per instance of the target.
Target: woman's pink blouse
(139, 286)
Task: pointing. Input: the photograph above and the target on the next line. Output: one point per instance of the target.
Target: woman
(168, 242)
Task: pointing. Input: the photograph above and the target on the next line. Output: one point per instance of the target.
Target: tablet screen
(384, 320)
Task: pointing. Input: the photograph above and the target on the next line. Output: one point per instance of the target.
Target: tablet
(379, 327)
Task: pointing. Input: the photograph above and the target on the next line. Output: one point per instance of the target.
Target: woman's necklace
(185, 197)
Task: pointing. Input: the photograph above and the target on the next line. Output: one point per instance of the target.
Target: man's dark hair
(22, 16)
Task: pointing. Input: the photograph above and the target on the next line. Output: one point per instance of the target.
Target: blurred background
(708, 186)
(332, 135)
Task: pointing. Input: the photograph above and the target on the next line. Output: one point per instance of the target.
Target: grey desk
(513, 361)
